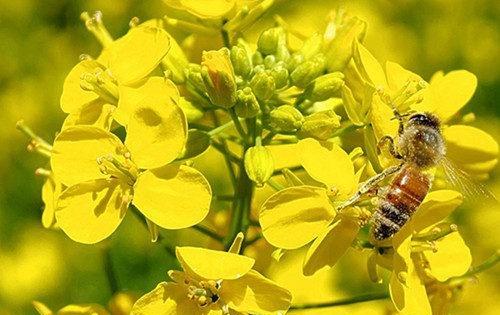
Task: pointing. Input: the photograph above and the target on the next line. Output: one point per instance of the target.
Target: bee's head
(424, 119)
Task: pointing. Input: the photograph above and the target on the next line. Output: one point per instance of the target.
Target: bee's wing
(473, 191)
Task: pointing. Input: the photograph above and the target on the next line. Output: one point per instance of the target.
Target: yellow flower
(474, 150)
(214, 282)
(421, 256)
(92, 88)
(103, 174)
(295, 216)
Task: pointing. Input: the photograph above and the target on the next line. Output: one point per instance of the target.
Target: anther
(134, 22)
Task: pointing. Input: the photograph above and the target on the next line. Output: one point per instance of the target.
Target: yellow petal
(469, 145)
(436, 206)
(327, 163)
(410, 298)
(368, 66)
(204, 9)
(41, 308)
(295, 216)
(50, 193)
(447, 95)
(398, 76)
(138, 53)
(406, 289)
(174, 197)
(151, 91)
(382, 119)
(330, 246)
(91, 211)
(157, 129)
(73, 96)
(213, 264)
(166, 299)
(255, 294)
(90, 309)
(452, 258)
(75, 153)
(97, 113)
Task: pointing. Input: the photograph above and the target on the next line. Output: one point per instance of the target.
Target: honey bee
(420, 146)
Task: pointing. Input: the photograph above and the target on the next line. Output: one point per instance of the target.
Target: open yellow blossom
(214, 282)
(474, 150)
(51, 190)
(103, 175)
(422, 255)
(295, 216)
(92, 88)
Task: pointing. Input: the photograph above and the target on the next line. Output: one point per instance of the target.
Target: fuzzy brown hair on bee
(421, 142)
(421, 146)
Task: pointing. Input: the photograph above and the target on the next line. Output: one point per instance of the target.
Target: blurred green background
(40, 41)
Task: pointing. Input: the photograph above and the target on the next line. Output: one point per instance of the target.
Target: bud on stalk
(259, 164)
(218, 76)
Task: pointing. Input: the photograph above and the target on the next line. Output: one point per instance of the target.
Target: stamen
(96, 26)
(100, 82)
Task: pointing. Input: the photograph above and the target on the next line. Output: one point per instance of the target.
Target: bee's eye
(424, 120)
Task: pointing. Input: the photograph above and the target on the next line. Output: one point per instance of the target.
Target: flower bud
(193, 76)
(263, 85)
(241, 58)
(308, 71)
(270, 39)
(257, 58)
(192, 112)
(218, 76)
(280, 75)
(294, 61)
(324, 87)
(312, 46)
(247, 105)
(320, 125)
(259, 164)
(285, 118)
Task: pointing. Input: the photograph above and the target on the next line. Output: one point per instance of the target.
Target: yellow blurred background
(40, 41)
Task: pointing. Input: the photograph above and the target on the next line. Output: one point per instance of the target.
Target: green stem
(225, 151)
(225, 38)
(275, 185)
(240, 220)
(208, 232)
(228, 154)
(224, 197)
(346, 301)
(238, 125)
(109, 270)
(221, 128)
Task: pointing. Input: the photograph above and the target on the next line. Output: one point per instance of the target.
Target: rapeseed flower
(104, 175)
(295, 216)
(474, 150)
(214, 282)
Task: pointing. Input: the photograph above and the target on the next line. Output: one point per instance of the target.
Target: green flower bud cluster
(272, 83)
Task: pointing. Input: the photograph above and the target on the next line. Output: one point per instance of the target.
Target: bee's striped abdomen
(405, 194)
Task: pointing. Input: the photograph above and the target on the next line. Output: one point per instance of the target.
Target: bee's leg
(399, 117)
(369, 186)
(389, 141)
